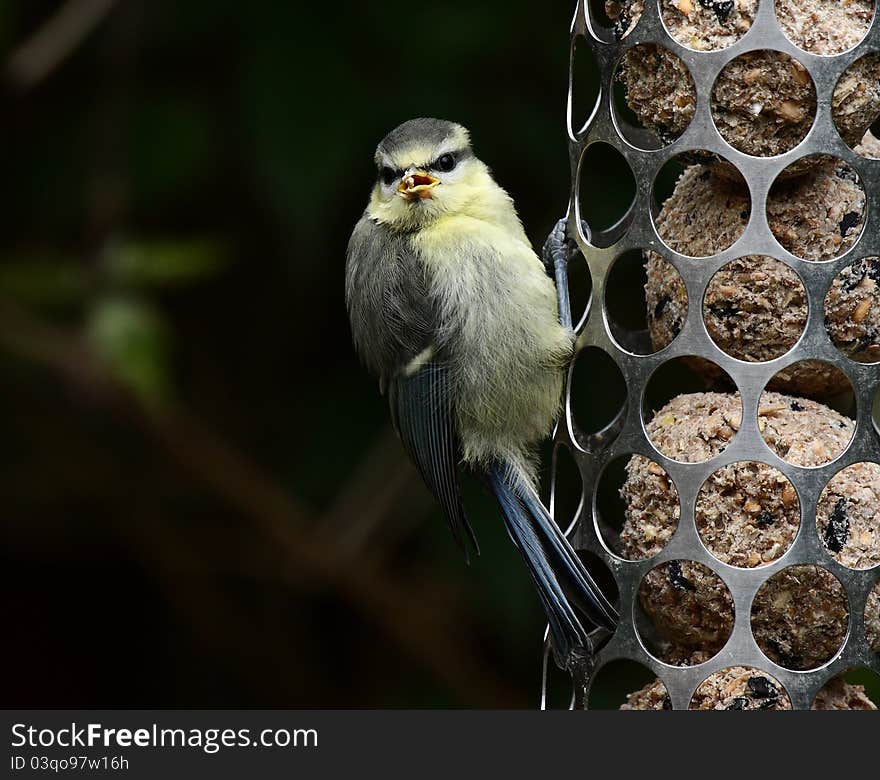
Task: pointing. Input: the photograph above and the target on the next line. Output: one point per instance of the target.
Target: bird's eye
(387, 175)
(445, 162)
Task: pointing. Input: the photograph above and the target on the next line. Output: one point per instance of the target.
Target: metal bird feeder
(626, 435)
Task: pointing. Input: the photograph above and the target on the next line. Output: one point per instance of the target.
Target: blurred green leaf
(164, 263)
(132, 340)
(42, 280)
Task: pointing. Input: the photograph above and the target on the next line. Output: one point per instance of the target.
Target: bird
(454, 313)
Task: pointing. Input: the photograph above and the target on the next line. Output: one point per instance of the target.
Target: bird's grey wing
(422, 414)
(393, 319)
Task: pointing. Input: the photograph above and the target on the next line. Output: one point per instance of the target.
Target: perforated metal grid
(627, 435)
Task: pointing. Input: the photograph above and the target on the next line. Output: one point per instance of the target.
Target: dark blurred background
(203, 503)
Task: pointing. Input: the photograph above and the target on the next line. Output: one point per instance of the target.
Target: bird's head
(426, 170)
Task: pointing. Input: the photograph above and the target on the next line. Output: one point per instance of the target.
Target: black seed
(849, 221)
(721, 8)
(667, 702)
(675, 327)
(661, 306)
(677, 578)
(841, 424)
(761, 688)
(852, 278)
(744, 214)
(764, 519)
(837, 530)
(739, 703)
(704, 176)
(856, 273)
(846, 173)
(724, 310)
(795, 407)
(783, 656)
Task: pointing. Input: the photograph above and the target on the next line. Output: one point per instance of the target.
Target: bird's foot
(560, 247)
(580, 663)
(556, 251)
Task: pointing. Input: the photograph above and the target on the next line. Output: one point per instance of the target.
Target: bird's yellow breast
(499, 329)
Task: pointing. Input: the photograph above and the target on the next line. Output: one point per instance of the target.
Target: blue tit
(453, 311)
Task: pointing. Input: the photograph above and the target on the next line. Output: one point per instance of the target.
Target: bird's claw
(558, 250)
(559, 247)
(580, 663)
(555, 249)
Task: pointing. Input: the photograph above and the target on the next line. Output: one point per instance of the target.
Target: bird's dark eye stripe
(388, 174)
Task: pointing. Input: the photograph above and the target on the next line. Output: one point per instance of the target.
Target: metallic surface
(627, 434)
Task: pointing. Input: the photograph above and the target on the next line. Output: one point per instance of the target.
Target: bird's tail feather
(560, 577)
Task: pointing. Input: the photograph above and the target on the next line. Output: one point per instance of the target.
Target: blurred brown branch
(366, 502)
(417, 615)
(62, 33)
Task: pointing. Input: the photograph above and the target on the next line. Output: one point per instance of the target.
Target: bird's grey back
(392, 316)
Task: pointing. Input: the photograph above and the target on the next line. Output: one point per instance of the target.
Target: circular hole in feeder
(848, 516)
(755, 308)
(747, 514)
(567, 488)
(684, 422)
(598, 390)
(584, 84)
(602, 575)
(580, 287)
(709, 25)
(855, 105)
(764, 103)
(803, 432)
(606, 190)
(627, 685)
(816, 208)
(872, 618)
(654, 96)
(740, 688)
(800, 617)
(852, 311)
(637, 507)
(666, 302)
(645, 302)
(700, 210)
(617, 18)
(689, 613)
(825, 28)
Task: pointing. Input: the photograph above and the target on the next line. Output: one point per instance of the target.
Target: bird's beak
(417, 184)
